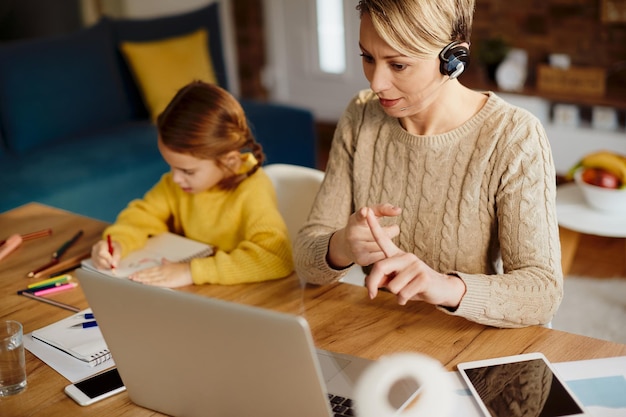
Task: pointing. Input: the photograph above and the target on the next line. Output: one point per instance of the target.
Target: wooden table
(341, 316)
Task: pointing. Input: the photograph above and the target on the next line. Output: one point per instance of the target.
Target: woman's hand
(407, 276)
(355, 243)
(168, 274)
(101, 257)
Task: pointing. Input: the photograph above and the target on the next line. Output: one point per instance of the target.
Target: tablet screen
(527, 388)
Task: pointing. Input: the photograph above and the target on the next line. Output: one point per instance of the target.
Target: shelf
(615, 97)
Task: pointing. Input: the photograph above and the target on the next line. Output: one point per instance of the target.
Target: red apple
(600, 178)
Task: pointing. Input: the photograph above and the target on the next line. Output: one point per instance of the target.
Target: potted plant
(491, 52)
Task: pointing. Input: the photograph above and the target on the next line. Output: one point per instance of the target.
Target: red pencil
(110, 248)
(110, 245)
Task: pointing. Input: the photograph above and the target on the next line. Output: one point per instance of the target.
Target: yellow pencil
(53, 280)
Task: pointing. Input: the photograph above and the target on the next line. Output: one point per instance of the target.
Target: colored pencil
(50, 301)
(55, 280)
(33, 235)
(60, 266)
(63, 287)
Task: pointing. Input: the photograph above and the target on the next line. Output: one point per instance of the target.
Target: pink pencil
(60, 288)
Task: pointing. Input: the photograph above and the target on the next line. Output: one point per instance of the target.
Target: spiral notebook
(170, 246)
(86, 344)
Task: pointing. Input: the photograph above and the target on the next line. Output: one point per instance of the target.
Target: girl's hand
(407, 276)
(101, 257)
(355, 242)
(168, 274)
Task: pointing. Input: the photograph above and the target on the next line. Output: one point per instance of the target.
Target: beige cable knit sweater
(478, 201)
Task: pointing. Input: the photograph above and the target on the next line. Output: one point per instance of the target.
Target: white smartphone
(96, 387)
(520, 385)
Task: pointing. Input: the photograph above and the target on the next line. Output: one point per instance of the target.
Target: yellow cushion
(162, 67)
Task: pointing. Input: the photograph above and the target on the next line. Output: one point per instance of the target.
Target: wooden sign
(586, 81)
(613, 11)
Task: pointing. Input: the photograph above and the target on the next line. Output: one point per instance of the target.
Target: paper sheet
(69, 367)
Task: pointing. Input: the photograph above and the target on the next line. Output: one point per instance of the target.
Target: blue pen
(86, 325)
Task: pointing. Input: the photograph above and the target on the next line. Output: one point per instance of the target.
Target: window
(331, 36)
(313, 54)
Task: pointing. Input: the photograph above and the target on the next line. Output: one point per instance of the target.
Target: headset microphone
(454, 59)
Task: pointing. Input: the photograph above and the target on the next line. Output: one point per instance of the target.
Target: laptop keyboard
(341, 406)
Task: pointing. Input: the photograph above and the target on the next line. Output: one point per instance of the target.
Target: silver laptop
(189, 355)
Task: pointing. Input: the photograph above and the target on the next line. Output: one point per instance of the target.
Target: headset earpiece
(454, 58)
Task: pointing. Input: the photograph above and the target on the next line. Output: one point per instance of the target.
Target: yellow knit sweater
(244, 225)
(478, 201)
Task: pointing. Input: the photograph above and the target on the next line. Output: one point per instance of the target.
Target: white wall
(569, 143)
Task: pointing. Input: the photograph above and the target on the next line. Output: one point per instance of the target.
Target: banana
(609, 161)
(570, 173)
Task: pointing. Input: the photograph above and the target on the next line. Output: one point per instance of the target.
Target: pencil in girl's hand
(110, 244)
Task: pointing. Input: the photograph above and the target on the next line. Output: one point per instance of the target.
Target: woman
(446, 193)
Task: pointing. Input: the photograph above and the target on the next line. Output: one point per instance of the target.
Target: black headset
(454, 58)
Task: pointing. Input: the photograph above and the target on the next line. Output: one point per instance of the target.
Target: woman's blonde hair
(420, 28)
(207, 122)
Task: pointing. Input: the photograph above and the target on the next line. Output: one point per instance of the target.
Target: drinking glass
(12, 360)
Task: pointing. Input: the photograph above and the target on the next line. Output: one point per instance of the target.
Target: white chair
(296, 187)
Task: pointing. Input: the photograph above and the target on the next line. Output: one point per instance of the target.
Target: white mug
(435, 394)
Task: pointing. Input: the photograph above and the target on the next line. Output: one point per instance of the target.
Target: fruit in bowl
(601, 177)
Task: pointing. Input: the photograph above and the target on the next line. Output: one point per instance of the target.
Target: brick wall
(542, 27)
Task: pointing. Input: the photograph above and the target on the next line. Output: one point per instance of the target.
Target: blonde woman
(446, 195)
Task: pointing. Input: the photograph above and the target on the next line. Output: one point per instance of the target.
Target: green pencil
(49, 281)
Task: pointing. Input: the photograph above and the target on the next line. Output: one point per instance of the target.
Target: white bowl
(600, 198)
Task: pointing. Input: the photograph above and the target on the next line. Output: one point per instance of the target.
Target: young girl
(216, 193)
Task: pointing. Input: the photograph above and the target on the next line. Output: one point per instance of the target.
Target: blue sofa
(75, 133)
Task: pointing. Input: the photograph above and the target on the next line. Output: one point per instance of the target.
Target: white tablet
(521, 385)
